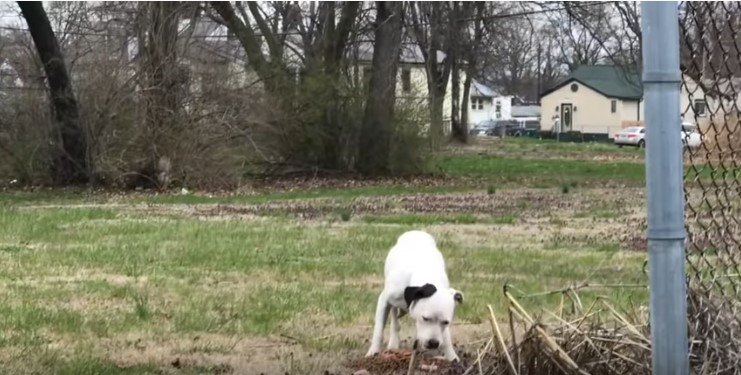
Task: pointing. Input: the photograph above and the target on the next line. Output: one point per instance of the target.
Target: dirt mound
(397, 362)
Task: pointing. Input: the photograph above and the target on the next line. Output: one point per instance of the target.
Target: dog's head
(432, 311)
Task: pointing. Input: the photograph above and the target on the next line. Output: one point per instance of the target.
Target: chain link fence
(710, 44)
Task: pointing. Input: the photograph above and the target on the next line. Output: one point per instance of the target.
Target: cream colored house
(603, 99)
(599, 100)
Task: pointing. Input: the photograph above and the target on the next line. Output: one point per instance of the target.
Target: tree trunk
(427, 20)
(462, 136)
(375, 137)
(470, 56)
(334, 41)
(455, 89)
(273, 73)
(69, 159)
(163, 82)
(437, 104)
(455, 106)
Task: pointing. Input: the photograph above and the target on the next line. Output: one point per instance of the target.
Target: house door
(567, 117)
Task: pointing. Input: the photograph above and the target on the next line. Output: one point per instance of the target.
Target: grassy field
(285, 278)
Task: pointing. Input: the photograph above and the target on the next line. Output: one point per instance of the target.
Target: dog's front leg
(395, 328)
(448, 350)
(382, 313)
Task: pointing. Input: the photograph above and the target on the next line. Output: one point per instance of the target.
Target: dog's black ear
(413, 293)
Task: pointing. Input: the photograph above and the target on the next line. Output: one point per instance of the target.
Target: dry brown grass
(602, 339)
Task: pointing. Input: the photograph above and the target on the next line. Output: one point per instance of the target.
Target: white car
(632, 136)
(636, 136)
(691, 137)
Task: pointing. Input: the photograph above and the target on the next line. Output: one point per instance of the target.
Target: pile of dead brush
(601, 339)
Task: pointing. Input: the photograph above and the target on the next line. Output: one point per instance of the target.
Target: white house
(486, 104)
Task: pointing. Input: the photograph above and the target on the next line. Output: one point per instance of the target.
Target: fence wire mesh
(710, 45)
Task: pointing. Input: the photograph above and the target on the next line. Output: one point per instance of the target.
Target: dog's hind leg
(382, 313)
(395, 328)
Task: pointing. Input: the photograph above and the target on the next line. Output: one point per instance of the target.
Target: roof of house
(525, 111)
(479, 89)
(609, 80)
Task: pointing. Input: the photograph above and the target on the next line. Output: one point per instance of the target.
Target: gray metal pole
(664, 173)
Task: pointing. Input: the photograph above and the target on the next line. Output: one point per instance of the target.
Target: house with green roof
(596, 100)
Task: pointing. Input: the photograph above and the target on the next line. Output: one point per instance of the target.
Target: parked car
(636, 136)
(524, 128)
(508, 126)
(632, 136)
(691, 137)
(482, 128)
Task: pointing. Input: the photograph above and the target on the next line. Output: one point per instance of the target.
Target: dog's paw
(371, 353)
(450, 358)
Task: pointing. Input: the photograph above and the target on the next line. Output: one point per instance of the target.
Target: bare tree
(453, 53)
(576, 44)
(268, 67)
(512, 52)
(375, 135)
(163, 79)
(473, 61)
(323, 41)
(614, 26)
(70, 165)
(427, 22)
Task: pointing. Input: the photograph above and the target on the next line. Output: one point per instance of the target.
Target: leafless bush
(24, 140)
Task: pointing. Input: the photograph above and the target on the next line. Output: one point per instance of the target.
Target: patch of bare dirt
(397, 362)
(79, 276)
(524, 203)
(305, 182)
(217, 354)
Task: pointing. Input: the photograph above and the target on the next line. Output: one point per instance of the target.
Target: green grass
(266, 278)
(528, 145)
(81, 284)
(544, 172)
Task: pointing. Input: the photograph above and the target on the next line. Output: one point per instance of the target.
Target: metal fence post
(664, 173)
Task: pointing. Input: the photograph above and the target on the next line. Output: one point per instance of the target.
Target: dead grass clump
(715, 345)
(600, 339)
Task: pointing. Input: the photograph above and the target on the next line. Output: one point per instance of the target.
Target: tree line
(210, 94)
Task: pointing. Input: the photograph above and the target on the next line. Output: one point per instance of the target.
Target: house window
(613, 106)
(701, 108)
(498, 109)
(477, 103)
(406, 80)
(473, 103)
(481, 103)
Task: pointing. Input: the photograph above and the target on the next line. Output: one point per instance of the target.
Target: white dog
(416, 283)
